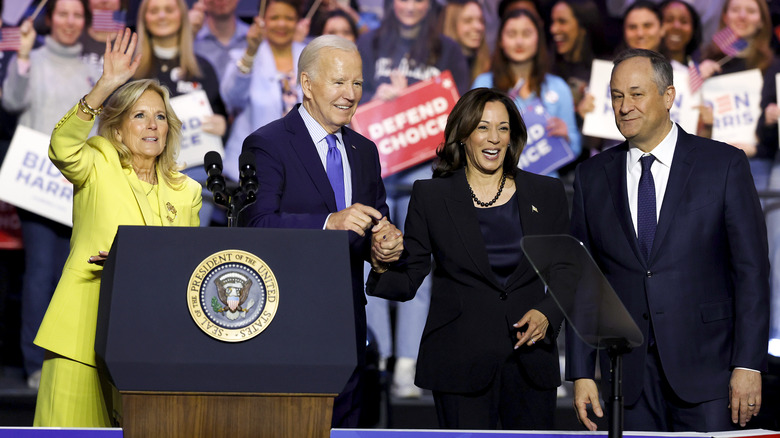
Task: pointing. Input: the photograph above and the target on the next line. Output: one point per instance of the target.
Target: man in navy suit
(674, 222)
(314, 172)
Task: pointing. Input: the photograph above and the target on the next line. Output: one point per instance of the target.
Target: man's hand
(357, 217)
(387, 244)
(744, 395)
(197, 16)
(586, 393)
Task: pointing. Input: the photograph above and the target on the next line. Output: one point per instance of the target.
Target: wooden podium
(176, 380)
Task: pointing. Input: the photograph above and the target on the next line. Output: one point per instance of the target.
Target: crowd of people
(248, 66)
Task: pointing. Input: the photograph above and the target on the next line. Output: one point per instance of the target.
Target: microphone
(248, 175)
(212, 163)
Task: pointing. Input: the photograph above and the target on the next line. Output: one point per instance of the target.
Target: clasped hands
(387, 241)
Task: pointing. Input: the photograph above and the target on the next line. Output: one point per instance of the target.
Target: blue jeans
(46, 247)
(410, 315)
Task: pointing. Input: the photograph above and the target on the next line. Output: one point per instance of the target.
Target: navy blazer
(705, 286)
(294, 190)
(468, 334)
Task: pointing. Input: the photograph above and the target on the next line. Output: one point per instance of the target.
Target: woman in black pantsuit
(488, 351)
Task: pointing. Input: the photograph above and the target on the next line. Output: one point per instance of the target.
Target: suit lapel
(682, 165)
(615, 170)
(463, 217)
(301, 143)
(530, 218)
(352, 157)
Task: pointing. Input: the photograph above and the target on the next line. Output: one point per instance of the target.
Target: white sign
(736, 105)
(601, 121)
(191, 108)
(29, 180)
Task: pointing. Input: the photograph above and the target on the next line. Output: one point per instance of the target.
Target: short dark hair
(464, 119)
(662, 68)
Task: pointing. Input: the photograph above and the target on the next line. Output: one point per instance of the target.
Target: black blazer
(705, 287)
(469, 332)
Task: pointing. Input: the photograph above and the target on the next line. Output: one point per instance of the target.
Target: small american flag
(104, 20)
(10, 39)
(694, 76)
(728, 42)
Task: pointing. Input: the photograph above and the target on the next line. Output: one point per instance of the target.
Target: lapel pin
(533, 209)
(353, 147)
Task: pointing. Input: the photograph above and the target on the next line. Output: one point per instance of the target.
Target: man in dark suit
(674, 222)
(314, 172)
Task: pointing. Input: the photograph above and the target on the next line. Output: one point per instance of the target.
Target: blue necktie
(646, 215)
(335, 171)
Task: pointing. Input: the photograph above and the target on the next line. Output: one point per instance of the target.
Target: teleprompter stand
(177, 381)
(590, 305)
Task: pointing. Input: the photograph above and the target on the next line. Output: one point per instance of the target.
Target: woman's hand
(119, 64)
(536, 328)
(708, 68)
(214, 124)
(197, 16)
(98, 259)
(557, 128)
(771, 114)
(586, 105)
(27, 39)
(387, 92)
(302, 29)
(255, 35)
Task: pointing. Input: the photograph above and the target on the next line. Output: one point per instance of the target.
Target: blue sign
(543, 153)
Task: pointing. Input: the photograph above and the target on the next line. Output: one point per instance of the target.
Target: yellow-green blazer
(105, 195)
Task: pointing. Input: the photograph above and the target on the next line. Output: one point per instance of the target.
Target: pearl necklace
(487, 204)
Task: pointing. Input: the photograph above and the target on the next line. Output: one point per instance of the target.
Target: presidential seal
(232, 296)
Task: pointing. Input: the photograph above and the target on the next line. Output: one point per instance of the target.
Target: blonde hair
(115, 111)
(187, 60)
(449, 28)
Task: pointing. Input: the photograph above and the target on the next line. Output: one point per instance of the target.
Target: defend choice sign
(407, 130)
(29, 180)
(542, 154)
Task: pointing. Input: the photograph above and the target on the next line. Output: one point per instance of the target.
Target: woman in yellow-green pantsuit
(127, 175)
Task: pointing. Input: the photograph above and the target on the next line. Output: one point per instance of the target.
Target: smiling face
(743, 17)
(163, 19)
(642, 30)
(565, 29)
(67, 21)
(144, 128)
(280, 21)
(332, 91)
(641, 114)
(470, 26)
(678, 27)
(487, 145)
(519, 39)
(411, 12)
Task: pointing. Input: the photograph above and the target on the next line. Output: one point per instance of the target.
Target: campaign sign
(601, 121)
(29, 180)
(408, 129)
(542, 154)
(191, 108)
(736, 105)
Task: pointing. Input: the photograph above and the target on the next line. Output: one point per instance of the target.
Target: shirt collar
(663, 153)
(316, 131)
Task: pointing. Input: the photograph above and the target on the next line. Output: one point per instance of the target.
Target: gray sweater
(56, 80)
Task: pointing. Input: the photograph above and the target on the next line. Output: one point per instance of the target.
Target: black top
(501, 230)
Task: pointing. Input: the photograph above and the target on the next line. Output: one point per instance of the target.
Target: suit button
(649, 274)
(502, 297)
(645, 316)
